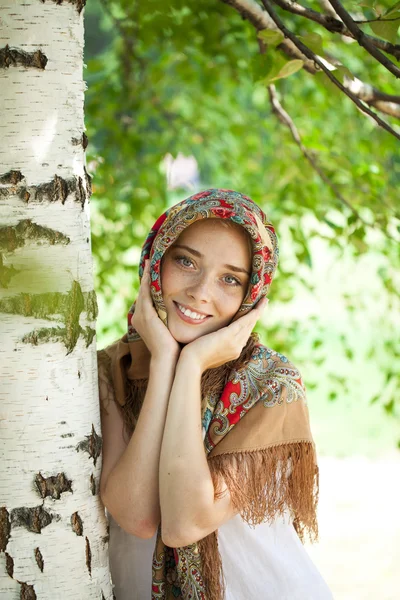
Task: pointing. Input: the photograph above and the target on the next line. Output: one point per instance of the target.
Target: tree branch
(259, 18)
(363, 40)
(311, 56)
(335, 25)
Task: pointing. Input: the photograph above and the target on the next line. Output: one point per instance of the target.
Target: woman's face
(204, 276)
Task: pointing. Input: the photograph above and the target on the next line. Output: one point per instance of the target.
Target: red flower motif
(266, 253)
(267, 278)
(223, 213)
(255, 291)
(201, 195)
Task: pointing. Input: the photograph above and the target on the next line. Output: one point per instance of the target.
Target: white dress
(265, 562)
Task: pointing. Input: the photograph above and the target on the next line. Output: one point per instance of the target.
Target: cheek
(173, 281)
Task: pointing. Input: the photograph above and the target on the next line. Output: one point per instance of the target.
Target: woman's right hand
(159, 341)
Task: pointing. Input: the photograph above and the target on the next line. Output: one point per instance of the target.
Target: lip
(188, 319)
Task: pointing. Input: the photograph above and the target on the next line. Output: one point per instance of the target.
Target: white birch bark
(49, 547)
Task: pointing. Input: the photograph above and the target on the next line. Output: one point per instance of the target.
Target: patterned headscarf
(267, 459)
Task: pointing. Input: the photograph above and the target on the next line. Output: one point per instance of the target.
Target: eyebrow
(199, 255)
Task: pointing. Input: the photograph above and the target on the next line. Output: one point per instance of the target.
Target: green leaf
(314, 42)
(393, 9)
(288, 68)
(271, 38)
(291, 67)
(386, 30)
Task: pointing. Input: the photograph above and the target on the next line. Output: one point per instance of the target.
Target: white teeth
(189, 313)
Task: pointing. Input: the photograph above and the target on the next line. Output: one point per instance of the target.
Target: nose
(200, 290)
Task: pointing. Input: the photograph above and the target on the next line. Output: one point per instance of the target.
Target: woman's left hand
(226, 344)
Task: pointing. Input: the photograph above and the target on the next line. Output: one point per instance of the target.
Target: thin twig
(335, 25)
(284, 117)
(362, 39)
(312, 56)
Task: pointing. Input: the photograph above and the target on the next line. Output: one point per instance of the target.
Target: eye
(231, 280)
(184, 261)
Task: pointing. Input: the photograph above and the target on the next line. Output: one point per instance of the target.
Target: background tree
(52, 526)
(215, 81)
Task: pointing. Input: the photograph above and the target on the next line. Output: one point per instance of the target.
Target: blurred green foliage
(188, 77)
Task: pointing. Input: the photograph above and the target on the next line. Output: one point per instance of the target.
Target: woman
(208, 459)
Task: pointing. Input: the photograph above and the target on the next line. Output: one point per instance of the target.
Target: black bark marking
(103, 596)
(53, 486)
(16, 236)
(56, 190)
(33, 519)
(67, 435)
(39, 559)
(92, 445)
(11, 178)
(76, 523)
(78, 3)
(88, 556)
(92, 485)
(9, 565)
(105, 539)
(88, 180)
(15, 57)
(5, 528)
(82, 141)
(27, 592)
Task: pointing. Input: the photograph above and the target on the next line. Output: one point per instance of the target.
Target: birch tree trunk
(53, 533)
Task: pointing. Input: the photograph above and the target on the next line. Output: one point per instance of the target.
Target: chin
(183, 336)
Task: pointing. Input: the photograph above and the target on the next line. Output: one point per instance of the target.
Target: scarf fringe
(263, 485)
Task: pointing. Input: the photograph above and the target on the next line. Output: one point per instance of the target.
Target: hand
(159, 341)
(226, 344)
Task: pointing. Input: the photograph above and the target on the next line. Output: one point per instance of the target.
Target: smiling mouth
(190, 316)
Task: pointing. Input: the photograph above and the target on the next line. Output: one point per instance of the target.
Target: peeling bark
(92, 445)
(53, 486)
(33, 519)
(5, 528)
(55, 190)
(76, 523)
(39, 559)
(78, 3)
(16, 57)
